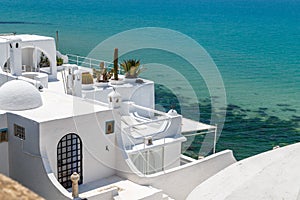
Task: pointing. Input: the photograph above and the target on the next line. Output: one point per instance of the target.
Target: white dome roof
(19, 95)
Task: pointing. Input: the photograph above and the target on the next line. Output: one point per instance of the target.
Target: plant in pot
(87, 81)
(132, 69)
(59, 61)
(44, 61)
(102, 76)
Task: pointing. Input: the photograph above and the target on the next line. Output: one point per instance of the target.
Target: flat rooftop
(189, 125)
(126, 189)
(60, 106)
(24, 38)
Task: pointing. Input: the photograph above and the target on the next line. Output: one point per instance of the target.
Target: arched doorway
(69, 159)
(6, 66)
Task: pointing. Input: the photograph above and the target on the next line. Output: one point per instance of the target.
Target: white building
(119, 145)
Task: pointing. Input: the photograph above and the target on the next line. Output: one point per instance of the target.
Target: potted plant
(87, 81)
(44, 61)
(59, 63)
(132, 69)
(102, 76)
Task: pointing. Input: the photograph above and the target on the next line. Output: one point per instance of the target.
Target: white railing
(135, 134)
(162, 123)
(149, 109)
(90, 62)
(142, 155)
(138, 149)
(212, 131)
(143, 164)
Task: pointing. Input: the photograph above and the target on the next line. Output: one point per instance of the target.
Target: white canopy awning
(189, 125)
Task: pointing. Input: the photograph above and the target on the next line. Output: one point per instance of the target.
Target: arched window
(69, 159)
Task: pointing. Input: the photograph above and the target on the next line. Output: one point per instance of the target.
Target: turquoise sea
(254, 43)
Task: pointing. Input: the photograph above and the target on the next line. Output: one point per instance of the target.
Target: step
(132, 191)
(166, 197)
(116, 188)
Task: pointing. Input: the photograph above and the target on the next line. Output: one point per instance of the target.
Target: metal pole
(57, 40)
(116, 66)
(215, 140)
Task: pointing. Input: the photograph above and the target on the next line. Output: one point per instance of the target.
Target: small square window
(110, 127)
(3, 135)
(19, 131)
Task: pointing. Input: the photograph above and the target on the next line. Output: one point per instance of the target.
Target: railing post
(76, 60)
(215, 140)
(75, 178)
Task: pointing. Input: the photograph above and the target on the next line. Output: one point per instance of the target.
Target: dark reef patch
(288, 110)
(246, 132)
(296, 118)
(283, 105)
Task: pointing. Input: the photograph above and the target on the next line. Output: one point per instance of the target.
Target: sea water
(255, 45)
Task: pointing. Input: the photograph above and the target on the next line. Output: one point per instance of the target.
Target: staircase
(132, 191)
(116, 188)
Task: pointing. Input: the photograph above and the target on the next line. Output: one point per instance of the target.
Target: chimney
(15, 56)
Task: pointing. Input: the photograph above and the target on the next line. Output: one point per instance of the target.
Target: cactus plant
(87, 78)
(102, 75)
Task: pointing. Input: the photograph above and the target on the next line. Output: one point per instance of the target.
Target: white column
(77, 89)
(34, 59)
(15, 57)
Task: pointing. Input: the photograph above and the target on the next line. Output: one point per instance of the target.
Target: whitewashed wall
(25, 163)
(98, 163)
(4, 55)
(141, 94)
(180, 181)
(4, 162)
(27, 56)
(49, 48)
(172, 155)
(4, 77)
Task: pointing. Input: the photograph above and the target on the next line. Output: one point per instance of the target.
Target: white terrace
(110, 134)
